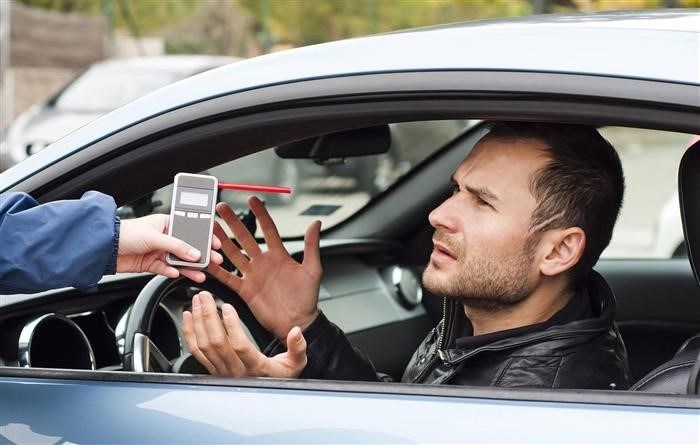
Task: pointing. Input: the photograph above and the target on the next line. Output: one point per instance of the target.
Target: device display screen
(194, 199)
(190, 197)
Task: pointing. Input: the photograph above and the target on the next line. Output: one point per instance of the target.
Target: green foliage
(303, 22)
(80, 6)
(135, 16)
(300, 22)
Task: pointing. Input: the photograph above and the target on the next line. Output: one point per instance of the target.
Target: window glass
(331, 192)
(649, 225)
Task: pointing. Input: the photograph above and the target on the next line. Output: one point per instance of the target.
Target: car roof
(655, 45)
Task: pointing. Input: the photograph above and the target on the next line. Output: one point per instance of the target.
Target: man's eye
(482, 203)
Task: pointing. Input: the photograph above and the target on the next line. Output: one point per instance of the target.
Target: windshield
(106, 88)
(330, 193)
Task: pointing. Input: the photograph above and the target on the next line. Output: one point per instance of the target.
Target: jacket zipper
(441, 340)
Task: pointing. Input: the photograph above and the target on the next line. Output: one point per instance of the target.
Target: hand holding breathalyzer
(192, 213)
(143, 243)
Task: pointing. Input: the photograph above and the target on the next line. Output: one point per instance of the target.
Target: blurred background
(46, 44)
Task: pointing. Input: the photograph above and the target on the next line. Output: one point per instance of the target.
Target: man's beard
(487, 284)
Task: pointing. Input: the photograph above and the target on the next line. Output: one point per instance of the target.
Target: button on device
(204, 215)
(179, 213)
(192, 215)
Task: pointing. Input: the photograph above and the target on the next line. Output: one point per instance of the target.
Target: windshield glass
(330, 193)
(106, 88)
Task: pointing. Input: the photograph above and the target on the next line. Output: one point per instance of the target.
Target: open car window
(649, 225)
(331, 192)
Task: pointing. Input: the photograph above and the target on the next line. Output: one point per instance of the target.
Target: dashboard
(363, 290)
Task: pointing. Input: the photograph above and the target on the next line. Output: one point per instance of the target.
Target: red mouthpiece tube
(255, 188)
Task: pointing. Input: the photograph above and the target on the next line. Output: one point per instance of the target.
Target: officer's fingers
(195, 275)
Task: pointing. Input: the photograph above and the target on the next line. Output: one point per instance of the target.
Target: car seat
(680, 374)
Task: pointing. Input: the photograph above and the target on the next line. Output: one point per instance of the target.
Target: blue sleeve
(57, 244)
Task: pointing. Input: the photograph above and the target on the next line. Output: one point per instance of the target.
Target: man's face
(484, 255)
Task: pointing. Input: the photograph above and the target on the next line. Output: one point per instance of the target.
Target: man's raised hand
(281, 292)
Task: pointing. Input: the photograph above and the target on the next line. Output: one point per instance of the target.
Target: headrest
(689, 196)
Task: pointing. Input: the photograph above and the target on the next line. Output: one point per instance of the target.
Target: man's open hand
(281, 292)
(225, 349)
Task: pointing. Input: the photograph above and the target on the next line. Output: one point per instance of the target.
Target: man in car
(532, 208)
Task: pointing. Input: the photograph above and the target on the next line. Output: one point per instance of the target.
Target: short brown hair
(581, 186)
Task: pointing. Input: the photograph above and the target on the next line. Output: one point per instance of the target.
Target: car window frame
(645, 104)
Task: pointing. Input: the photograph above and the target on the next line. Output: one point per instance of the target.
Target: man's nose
(442, 217)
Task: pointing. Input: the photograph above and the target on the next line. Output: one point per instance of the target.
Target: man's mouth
(441, 252)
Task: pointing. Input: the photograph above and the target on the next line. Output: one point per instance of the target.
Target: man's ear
(562, 250)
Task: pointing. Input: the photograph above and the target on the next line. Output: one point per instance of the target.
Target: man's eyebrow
(481, 192)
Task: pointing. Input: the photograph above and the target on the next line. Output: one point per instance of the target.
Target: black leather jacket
(584, 354)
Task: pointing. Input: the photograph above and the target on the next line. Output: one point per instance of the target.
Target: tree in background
(250, 27)
(304, 22)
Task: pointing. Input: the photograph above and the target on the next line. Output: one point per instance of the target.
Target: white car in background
(99, 89)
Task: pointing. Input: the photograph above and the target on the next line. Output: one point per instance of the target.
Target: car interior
(374, 244)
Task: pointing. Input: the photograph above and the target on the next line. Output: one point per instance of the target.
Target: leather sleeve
(330, 354)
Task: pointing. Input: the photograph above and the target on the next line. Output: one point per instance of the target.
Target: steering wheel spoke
(147, 357)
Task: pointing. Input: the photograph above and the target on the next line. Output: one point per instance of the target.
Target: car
(71, 372)
(97, 90)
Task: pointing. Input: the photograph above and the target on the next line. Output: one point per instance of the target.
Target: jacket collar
(596, 289)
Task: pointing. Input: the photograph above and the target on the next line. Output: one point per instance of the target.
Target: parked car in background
(624, 73)
(102, 87)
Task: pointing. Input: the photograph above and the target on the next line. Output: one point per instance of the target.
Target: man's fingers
(296, 349)
(267, 225)
(232, 252)
(204, 343)
(312, 253)
(243, 236)
(252, 358)
(219, 343)
(231, 280)
(191, 341)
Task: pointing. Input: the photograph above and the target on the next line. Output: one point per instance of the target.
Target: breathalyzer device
(192, 216)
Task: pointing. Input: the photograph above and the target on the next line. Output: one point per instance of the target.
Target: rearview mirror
(343, 144)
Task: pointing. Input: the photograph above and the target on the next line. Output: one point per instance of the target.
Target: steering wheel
(142, 355)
